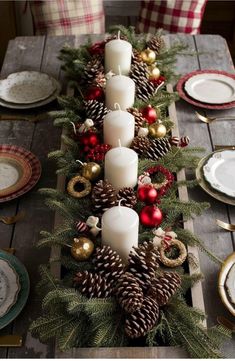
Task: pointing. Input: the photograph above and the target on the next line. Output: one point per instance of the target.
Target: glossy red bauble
(147, 193)
(149, 113)
(151, 216)
(89, 139)
(94, 93)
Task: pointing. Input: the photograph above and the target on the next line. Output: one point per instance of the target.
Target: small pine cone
(103, 196)
(143, 263)
(139, 70)
(140, 145)
(93, 68)
(136, 58)
(156, 43)
(129, 197)
(144, 89)
(158, 148)
(96, 111)
(108, 263)
(92, 285)
(164, 287)
(81, 226)
(139, 119)
(140, 322)
(129, 294)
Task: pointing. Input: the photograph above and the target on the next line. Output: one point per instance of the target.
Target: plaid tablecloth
(68, 17)
(174, 16)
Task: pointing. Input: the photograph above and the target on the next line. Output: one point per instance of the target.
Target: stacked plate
(28, 89)
(210, 89)
(20, 170)
(216, 174)
(14, 288)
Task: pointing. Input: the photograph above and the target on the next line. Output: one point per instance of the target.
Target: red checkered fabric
(68, 17)
(174, 16)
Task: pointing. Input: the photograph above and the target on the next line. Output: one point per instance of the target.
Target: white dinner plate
(9, 287)
(52, 97)
(26, 87)
(211, 88)
(219, 171)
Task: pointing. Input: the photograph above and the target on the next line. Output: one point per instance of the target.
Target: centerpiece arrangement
(123, 248)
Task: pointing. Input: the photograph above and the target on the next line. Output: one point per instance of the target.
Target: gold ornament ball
(91, 171)
(82, 248)
(148, 56)
(157, 130)
(154, 73)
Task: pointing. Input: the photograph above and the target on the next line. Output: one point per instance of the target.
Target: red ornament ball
(158, 81)
(89, 139)
(151, 216)
(149, 113)
(147, 193)
(94, 93)
(97, 48)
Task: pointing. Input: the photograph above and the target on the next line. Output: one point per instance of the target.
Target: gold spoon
(209, 120)
(12, 219)
(228, 226)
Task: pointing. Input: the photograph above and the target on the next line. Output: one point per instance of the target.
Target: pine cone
(129, 197)
(139, 119)
(144, 89)
(100, 80)
(129, 293)
(108, 264)
(96, 111)
(140, 145)
(136, 58)
(158, 148)
(93, 68)
(142, 321)
(143, 263)
(156, 43)
(163, 287)
(92, 285)
(103, 196)
(139, 70)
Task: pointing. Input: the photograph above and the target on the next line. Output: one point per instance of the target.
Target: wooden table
(40, 53)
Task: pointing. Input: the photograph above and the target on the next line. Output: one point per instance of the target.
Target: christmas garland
(100, 301)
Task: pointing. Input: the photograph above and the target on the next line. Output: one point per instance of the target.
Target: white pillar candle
(120, 230)
(118, 55)
(119, 126)
(120, 89)
(121, 167)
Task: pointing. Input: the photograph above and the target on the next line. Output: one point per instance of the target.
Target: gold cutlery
(223, 321)
(209, 120)
(218, 147)
(11, 341)
(228, 226)
(12, 219)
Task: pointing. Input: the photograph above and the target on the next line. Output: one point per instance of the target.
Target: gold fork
(209, 120)
(12, 219)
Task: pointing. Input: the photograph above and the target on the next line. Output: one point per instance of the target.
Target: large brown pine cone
(145, 89)
(156, 43)
(158, 148)
(140, 145)
(140, 322)
(108, 264)
(103, 196)
(139, 70)
(92, 285)
(129, 294)
(96, 111)
(139, 119)
(164, 287)
(129, 197)
(143, 262)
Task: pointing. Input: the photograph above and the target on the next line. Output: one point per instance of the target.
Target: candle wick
(119, 143)
(119, 206)
(117, 106)
(119, 70)
(119, 34)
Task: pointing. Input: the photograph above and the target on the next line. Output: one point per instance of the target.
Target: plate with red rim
(184, 95)
(29, 170)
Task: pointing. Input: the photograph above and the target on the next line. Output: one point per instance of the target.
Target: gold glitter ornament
(82, 248)
(148, 56)
(91, 171)
(81, 181)
(157, 130)
(154, 73)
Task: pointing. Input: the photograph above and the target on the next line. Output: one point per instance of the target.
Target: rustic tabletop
(41, 53)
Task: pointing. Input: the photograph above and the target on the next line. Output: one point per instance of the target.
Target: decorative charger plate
(9, 286)
(226, 283)
(26, 87)
(23, 294)
(219, 171)
(52, 97)
(184, 95)
(206, 186)
(32, 163)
